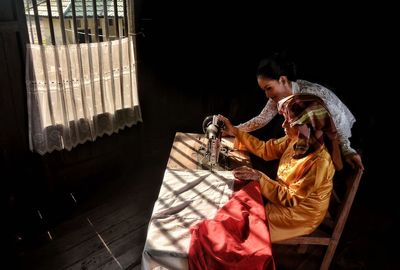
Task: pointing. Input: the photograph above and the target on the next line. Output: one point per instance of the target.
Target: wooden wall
(13, 139)
(16, 162)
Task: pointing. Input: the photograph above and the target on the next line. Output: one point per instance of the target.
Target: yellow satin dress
(299, 197)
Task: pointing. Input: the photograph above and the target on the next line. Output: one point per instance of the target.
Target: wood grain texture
(188, 148)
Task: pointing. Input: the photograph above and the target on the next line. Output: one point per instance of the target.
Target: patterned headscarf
(314, 125)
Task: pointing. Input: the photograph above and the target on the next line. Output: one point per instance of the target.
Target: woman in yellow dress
(309, 154)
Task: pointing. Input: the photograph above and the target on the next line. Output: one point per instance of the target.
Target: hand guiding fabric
(246, 173)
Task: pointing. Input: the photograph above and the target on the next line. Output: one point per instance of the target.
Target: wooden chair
(346, 183)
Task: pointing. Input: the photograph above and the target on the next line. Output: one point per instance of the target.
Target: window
(78, 92)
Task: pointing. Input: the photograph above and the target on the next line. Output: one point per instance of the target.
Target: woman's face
(290, 131)
(275, 89)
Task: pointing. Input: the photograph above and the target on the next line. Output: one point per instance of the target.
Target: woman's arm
(267, 150)
(262, 119)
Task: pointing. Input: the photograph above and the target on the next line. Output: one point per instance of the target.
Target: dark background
(205, 56)
(198, 58)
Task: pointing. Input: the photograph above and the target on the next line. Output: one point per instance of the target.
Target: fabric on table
(185, 198)
(237, 238)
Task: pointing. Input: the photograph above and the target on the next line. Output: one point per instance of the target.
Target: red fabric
(237, 238)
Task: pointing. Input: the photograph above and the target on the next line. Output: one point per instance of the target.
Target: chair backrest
(349, 179)
(346, 183)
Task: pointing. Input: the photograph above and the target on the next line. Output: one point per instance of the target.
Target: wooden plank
(23, 27)
(7, 10)
(7, 135)
(353, 182)
(50, 18)
(122, 253)
(116, 22)
(89, 244)
(62, 22)
(116, 218)
(306, 240)
(85, 24)
(10, 26)
(105, 14)
(95, 22)
(184, 149)
(13, 92)
(37, 21)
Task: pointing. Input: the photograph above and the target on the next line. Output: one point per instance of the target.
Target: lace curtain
(79, 92)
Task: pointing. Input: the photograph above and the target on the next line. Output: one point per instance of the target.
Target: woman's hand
(229, 128)
(355, 161)
(246, 173)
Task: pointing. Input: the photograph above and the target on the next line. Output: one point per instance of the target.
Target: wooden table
(188, 151)
(190, 192)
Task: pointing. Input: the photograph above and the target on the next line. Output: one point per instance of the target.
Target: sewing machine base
(225, 161)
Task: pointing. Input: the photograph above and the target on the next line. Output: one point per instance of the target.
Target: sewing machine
(212, 128)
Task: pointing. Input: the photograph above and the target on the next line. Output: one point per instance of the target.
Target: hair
(277, 65)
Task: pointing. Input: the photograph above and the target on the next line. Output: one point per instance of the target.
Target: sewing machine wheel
(209, 120)
(206, 122)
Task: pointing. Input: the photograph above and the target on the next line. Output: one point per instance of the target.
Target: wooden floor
(109, 236)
